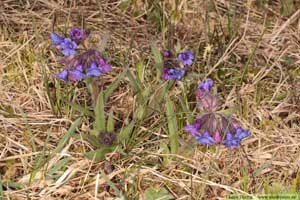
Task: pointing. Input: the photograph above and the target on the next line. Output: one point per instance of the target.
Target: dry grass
(254, 58)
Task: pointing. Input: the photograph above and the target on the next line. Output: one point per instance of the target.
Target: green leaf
(67, 136)
(91, 138)
(172, 126)
(10, 184)
(134, 82)
(186, 110)
(140, 68)
(228, 111)
(110, 122)
(81, 109)
(158, 60)
(126, 132)
(153, 194)
(100, 113)
(165, 150)
(263, 166)
(62, 163)
(111, 88)
(99, 154)
(157, 98)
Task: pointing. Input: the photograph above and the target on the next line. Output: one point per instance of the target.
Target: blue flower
(231, 142)
(206, 139)
(76, 34)
(68, 47)
(62, 75)
(56, 39)
(75, 75)
(93, 70)
(206, 85)
(186, 57)
(193, 129)
(71, 74)
(173, 73)
(241, 133)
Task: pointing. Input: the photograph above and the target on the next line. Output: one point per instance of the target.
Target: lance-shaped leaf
(99, 154)
(99, 113)
(158, 60)
(140, 68)
(126, 132)
(172, 126)
(110, 122)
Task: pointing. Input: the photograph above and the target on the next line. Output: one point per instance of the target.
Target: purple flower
(166, 53)
(206, 139)
(76, 74)
(193, 129)
(56, 39)
(76, 34)
(206, 85)
(68, 47)
(93, 70)
(173, 73)
(71, 74)
(230, 141)
(62, 75)
(186, 57)
(241, 133)
(217, 137)
(104, 67)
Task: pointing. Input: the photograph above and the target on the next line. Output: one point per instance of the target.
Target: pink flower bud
(217, 137)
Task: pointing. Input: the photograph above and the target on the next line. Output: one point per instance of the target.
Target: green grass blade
(81, 109)
(40, 161)
(125, 133)
(111, 88)
(67, 136)
(186, 110)
(59, 166)
(100, 113)
(134, 82)
(172, 126)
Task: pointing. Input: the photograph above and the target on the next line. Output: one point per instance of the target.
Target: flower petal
(56, 39)
(105, 68)
(62, 75)
(241, 133)
(75, 75)
(93, 70)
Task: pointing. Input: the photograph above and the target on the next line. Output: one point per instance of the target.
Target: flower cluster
(214, 127)
(79, 65)
(176, 68)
